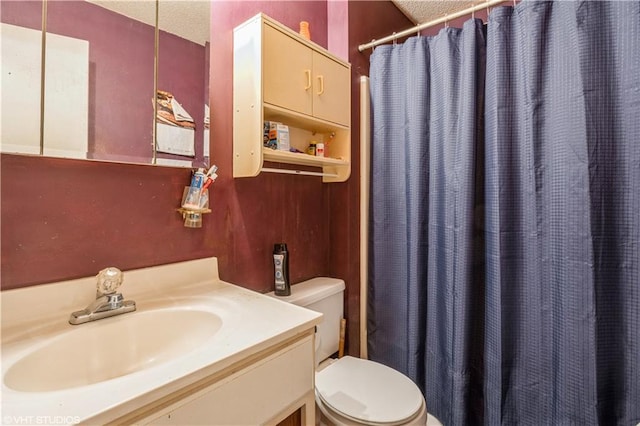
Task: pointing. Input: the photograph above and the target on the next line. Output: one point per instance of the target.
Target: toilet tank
(324, 295)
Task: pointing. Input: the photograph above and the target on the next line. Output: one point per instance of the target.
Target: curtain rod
(420, 27)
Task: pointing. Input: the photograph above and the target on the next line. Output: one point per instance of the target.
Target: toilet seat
(368, 392)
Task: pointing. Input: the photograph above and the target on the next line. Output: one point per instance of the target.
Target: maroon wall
(26, 14)
(64, 219)
(331, 246)
(121, 56)
(78, 217)
(254, 213)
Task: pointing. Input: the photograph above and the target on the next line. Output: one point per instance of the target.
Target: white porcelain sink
(110, 348)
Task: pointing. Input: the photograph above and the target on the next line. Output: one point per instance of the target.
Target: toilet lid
(368, 392)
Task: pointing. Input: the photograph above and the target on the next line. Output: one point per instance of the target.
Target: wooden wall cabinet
(280, 76)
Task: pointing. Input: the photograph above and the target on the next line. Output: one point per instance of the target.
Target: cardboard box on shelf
(276, 136)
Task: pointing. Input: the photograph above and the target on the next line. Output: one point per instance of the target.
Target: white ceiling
(421, 11)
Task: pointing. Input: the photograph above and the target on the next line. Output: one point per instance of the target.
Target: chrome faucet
(108, 303)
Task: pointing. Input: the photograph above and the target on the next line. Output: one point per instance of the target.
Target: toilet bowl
(353, 391)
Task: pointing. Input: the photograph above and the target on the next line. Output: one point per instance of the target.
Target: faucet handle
(109, 279)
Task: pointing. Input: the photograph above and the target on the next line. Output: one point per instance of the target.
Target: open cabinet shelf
(302, 159)
(280, 76)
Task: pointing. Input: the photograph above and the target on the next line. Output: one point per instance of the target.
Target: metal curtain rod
(420, 27)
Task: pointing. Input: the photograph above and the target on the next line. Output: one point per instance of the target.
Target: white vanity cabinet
(280, 76)
(265, 391)
(233, 356)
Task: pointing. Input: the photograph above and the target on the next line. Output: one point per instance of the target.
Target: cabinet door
(331, 90)
(251, 396)
(287, 73)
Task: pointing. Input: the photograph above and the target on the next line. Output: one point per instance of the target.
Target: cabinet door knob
(308, 74)
(321, 85)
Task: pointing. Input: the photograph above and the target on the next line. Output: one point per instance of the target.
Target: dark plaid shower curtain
(504, 273)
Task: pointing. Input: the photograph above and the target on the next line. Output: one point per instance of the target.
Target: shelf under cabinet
(333, 169)
(293, 118)
(300, 158)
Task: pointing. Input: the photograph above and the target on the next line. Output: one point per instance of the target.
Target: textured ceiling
(190, 18)
(186, 18)
(421, 11)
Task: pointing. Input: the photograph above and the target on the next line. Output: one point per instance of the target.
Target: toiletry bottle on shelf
(281, 269)
(304, 30)
(311, 149)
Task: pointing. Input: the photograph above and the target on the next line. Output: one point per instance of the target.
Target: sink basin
(110, 348)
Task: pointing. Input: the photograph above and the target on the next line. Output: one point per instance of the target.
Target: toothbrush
(209, 181)
(212, 170)
(211, 177)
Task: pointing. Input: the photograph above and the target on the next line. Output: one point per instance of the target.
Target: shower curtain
(505, 215)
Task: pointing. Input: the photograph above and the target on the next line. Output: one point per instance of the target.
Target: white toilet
(354, 391)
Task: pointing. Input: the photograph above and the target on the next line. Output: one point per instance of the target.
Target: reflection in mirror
(99, 91)
(119, 80)
(183, 80)
(21, 46)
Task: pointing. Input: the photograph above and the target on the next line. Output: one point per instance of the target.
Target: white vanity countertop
(251, 322)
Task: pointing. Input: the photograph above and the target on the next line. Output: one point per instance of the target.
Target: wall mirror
(103, 63)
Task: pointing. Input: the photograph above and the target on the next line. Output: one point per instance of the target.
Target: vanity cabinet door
(263, 392)
(332, 83)
(287, 72)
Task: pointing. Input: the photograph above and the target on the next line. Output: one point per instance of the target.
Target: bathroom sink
(110, 348)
